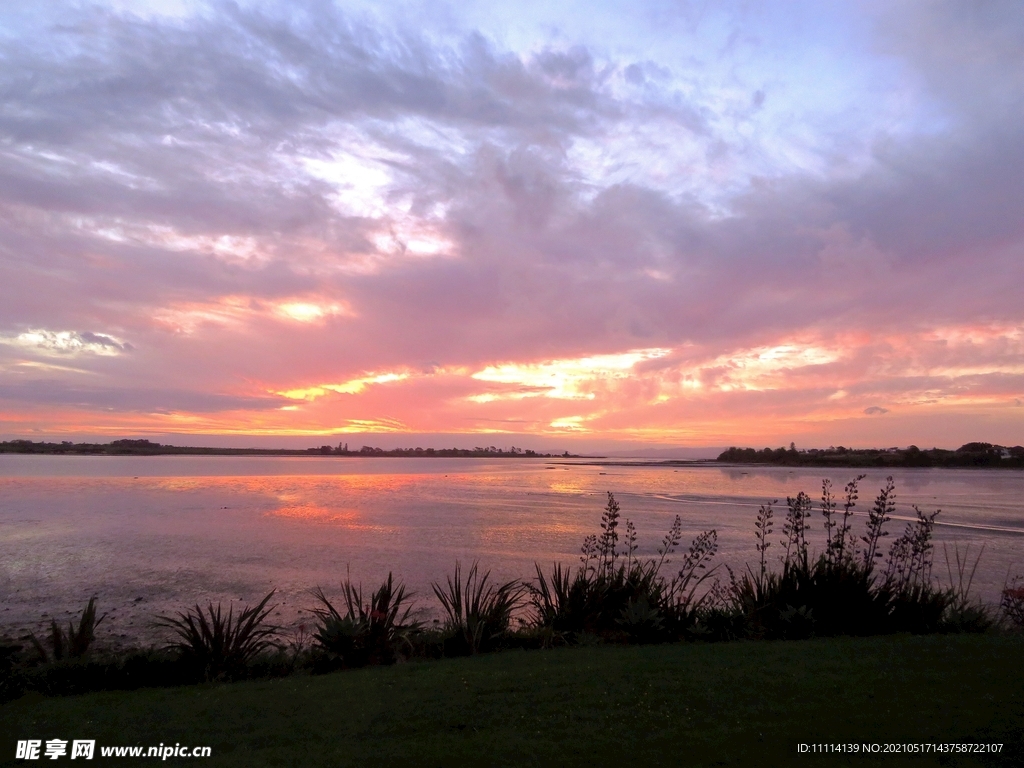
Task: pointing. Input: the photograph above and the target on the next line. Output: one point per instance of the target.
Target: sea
(153, 535)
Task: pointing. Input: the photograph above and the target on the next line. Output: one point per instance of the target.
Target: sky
(664, 224)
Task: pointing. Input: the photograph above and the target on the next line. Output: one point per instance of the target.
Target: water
(151, 535)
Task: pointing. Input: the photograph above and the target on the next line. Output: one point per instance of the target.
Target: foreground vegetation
(853, 585)
(739, 703)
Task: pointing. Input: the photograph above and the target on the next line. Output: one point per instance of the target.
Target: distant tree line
(486, 452)
(148, 448)
(136, 448)
(968, 455)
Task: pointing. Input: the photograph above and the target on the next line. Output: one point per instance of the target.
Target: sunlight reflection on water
(149, 535)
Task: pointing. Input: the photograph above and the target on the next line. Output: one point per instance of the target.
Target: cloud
(875, 410)
(125, 399)
(290, 200)
(69, 342)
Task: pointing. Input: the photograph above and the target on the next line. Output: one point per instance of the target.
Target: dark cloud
(131, 147)
(122, 399)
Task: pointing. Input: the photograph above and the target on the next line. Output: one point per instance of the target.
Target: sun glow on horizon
(561, 379)
(712, 225)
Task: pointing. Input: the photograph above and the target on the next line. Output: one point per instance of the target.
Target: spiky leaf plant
(74, 643)
(478, 612)
(1012, 602)
(622, 596)
(367, 632)
(220, 645)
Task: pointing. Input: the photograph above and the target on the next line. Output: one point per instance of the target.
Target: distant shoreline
(970, 455)
(667, 463)
(147, 448)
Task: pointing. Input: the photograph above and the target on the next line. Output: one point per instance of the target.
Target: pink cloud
(443, 240)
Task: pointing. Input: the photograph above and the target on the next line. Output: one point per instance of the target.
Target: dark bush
(478, 613)
(366, 633)
(73, 644)
(618, 596)
(221, 646)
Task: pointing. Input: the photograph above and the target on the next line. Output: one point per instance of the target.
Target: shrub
(137, 669)
(367, 632)
(1011, 603)
(617, 595)
(841, 591)
(10, 683)
(823, 599)
(962, 612)
(221, 646)
(478, 613)
(75, 643)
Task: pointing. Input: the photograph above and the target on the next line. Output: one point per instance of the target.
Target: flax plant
(910, 556)
(843, 540)
(478, 612)
(609, 537)
(828, 511)
(840, 591)
(220, 645)
(1011, 602)
(794, 529)
(694, 571)
(367, 632)
(74, 643)
(962, 612)
(763, 526)
(622, 595)
(878, 516)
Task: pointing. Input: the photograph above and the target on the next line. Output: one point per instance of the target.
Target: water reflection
(151, 538)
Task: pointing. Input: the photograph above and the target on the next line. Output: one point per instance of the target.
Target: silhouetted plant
(878, 516)
(367, 632)
(794, 529)
(74, 643)
(1011, 603)
(478, 613)
(763, 526)
(683, 587)
(588, 554)
(910, 556)
(609, 537)
(670, 542)
(828, 511)
(843, 542)
(961, 582)
(10, 681)
(631, 545)
(623, 602)
(550, 598)
(220, 645)
(839, 592)
(962, 612)
(619, 595)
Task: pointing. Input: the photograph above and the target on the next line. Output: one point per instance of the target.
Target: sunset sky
(543, 224)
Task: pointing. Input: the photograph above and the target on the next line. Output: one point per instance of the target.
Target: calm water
(148, 535)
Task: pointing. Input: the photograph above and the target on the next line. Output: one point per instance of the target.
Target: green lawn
(746, 703)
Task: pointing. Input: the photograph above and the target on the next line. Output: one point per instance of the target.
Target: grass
(742, 703)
